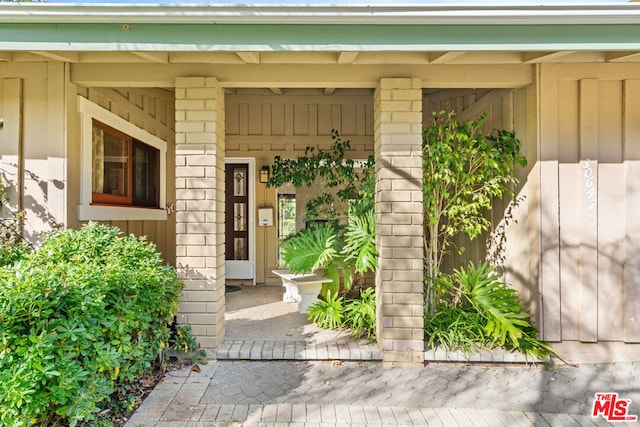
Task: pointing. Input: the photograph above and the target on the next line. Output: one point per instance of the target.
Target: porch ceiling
(327, 58)
(328, 46)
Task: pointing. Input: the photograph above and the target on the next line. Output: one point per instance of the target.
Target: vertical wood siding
(589, 202)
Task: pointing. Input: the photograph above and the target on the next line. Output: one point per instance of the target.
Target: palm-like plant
(343, 252)
(480, 290)
(328, 313)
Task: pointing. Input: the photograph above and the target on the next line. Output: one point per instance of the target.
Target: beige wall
(590, 173)
(576, 247)
(263, 124)
(33, 142)
(39, 107)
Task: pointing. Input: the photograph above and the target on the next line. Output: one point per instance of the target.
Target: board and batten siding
(263, 124)
(154, 111)
(33, 143)
(589, 202)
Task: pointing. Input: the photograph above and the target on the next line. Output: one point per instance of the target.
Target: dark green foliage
(80, 318)
(360, 315)
(344, 253)
(357, 315)
(327, 313)
(346, 180)
(464, 170)
(476, 309)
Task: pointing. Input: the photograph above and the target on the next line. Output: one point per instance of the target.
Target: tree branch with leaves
(463, 172)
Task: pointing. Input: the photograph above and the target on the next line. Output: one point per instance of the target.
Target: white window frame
(86, 210)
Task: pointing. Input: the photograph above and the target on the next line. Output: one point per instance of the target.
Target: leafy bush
(344, 253)
(463, 172)
(345, 180)
(327, 313)
(360, 315)
(478, 309)
(357, 315)
(82, 317)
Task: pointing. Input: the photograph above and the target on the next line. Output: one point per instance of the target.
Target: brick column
(200, 206)
(399, 229)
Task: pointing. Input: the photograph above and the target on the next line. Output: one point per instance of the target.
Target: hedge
(84, 315)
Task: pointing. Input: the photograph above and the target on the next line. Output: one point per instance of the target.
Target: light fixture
(264, 174)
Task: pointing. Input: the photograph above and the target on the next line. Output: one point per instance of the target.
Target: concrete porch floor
(260, 326)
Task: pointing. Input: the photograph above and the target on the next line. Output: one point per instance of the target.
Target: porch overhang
(433, 28)
(176, 37)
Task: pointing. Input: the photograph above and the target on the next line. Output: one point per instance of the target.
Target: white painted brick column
(399, 227)
(200, 206)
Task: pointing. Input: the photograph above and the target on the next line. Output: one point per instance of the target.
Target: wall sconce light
(264, 174)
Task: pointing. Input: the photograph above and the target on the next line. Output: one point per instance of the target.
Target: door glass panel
(239, 217)
(239, 176)
(240, 249)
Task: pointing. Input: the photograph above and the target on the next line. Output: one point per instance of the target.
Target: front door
(239, 251)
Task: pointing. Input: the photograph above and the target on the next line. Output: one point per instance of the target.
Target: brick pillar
(200, 206)
(399, 229)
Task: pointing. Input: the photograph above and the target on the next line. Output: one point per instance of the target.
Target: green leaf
(360, 243)
(310, 249)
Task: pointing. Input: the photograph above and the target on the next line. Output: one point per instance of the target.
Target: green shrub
(327, 313)
(360, 315)
(477, 308)
(456, 328)
(81, 317)
(357, 315)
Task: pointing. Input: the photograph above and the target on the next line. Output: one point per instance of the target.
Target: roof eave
(433, 14)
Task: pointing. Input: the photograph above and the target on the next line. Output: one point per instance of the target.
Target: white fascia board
(432, 14)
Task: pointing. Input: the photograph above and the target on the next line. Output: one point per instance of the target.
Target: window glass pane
(110, 163)
(239, 182)
(145, 175)
(239, 217)
(240, 249)
(97, 159)
(286, 220)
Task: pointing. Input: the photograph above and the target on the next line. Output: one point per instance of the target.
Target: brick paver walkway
(324, 393)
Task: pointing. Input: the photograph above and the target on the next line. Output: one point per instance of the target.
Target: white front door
(240, 219)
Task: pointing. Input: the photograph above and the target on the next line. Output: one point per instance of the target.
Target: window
(286, 220)
(123, 168)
